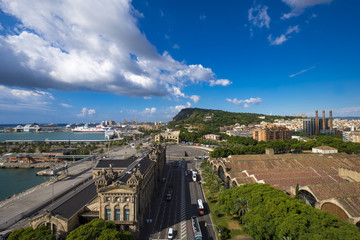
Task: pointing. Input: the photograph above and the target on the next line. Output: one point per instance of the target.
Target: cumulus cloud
(20, 99)
(195, 98)
(222, 82)
(302, 71)
(283, 37)
(1, 27)
(348, 111)
(258, 16)
(298, 6)
(178, 108)
(245, 103)
(147, 98)
(73, 45)
(65, 105)
(86, 112)
(150, 110)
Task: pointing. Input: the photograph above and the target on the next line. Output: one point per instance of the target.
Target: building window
(126, 214)
(117, 214)
(107, 214)
(117, 199)
(107, 199)
(126, 199)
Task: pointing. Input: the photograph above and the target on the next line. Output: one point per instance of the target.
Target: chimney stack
(330, 120)
(323, 120)
(316, 122)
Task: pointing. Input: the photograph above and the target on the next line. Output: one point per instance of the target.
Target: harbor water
(51, 136)
(14, 181)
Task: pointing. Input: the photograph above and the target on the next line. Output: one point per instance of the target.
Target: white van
(170, 233)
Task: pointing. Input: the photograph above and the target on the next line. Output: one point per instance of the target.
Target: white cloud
(258, 16)
(222, 82)
(176, 91)
(147, 98)
(91, 112)
(302, 71)
(298, 6)
(195, 98)
(18, 99)
(178, 108)
(348, 111)
(284, 37)
(65, 105)
(202, 17)
(86, 112)
(64, 45)
(150, 110)
(245, 103)
(1, 27)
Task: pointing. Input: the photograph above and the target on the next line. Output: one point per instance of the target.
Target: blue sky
(87, 61)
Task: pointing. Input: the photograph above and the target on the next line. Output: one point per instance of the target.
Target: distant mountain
(216, 118)
(348, 118)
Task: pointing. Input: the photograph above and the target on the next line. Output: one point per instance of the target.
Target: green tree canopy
(98, 229)
(40, 233)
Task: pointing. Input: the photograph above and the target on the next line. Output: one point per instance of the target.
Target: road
(177, 212)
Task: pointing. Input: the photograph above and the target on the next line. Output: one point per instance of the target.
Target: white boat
(86, 128)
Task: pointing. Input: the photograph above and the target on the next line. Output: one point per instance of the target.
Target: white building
(324, 150)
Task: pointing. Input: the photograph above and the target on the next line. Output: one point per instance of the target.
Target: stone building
(272, 133)
(119, 194)
(169, 136)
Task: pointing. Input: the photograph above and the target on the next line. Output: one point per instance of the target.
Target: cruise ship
(86, 128)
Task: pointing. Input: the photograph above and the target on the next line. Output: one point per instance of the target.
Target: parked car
(170, 233)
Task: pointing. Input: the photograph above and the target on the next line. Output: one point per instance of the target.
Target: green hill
(208, 118)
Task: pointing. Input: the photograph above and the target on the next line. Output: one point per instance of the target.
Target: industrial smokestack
(323, 120)
(330, 120)
(316, 122)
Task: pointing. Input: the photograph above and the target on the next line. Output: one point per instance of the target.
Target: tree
(39, 233)
(100, 230)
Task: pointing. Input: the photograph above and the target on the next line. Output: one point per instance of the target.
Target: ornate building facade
(117, 193)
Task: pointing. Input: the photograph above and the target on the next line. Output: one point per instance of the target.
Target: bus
(200, 207)
(196, 228)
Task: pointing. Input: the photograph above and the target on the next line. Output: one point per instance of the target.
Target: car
(170, 233)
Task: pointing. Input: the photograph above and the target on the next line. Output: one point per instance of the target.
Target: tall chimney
(316, 122)
(330, 120)
(323, 120)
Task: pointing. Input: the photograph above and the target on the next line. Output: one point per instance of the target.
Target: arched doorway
(228, 182)
(221, 173)
(334, 209)
(307, 197)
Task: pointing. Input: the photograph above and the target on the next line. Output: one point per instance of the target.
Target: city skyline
(146, 60)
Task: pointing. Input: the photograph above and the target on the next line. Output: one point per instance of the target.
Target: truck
(169, 193)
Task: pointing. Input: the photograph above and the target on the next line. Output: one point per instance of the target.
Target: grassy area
(224, 220)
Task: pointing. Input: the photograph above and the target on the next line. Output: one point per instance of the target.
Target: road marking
(183, 234)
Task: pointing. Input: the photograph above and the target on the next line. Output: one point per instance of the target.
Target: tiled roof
(115, 163)
(351, 205)
(72, 202)
(326, 191)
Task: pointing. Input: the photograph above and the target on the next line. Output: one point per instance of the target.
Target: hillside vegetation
(208, 117)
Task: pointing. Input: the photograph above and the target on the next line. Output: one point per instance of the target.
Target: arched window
(126, 214)
(117, 214)
(107, 213)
